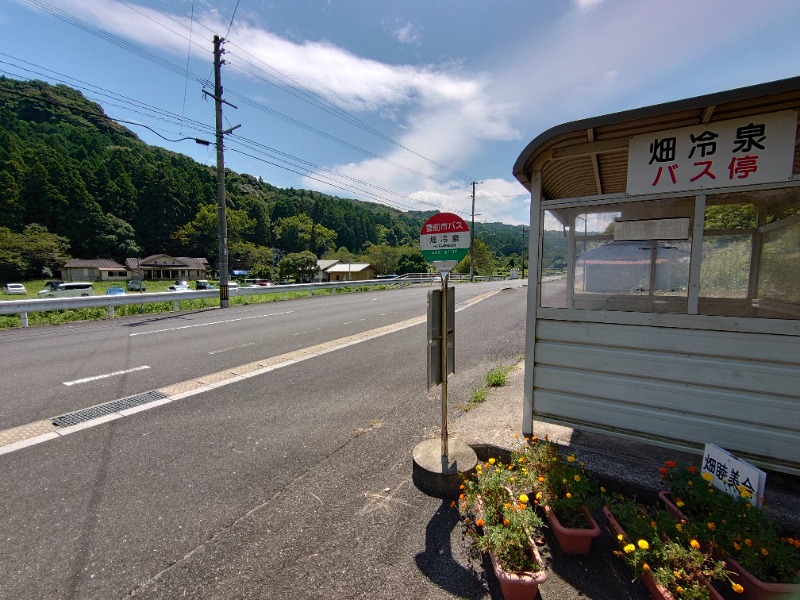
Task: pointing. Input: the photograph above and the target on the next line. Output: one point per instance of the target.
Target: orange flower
(737, 588)
(506, 522)
(479, 522)
(764, 551)
(712, 526)
(692, 469)
(694, 544)
(670, 464)
(453, 504)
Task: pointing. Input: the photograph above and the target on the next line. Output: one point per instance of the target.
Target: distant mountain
(66, 166)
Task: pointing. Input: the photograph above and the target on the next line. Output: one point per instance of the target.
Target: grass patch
(498, 376)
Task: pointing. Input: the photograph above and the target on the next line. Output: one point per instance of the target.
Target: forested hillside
(73, 183)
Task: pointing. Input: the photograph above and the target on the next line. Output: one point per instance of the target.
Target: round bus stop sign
(444, 240)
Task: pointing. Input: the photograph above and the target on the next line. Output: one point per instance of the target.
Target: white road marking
(375, 299)
(229, 349)
(309, 331)
(114, 374)
(356, 321)
(287, 312)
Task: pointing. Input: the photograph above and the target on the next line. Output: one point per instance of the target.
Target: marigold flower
(679, 503)
(602, 490)
(645, 567)
(679, 527)
(571, 458)
(662, 470)
(522, 506)
(479, 522)
(620, 537)
(577, 477)
(764, 551)
(538, 495)
(506, 522)
(629, 548)
(748, 541)
(694, 544)
(453, 504)
(461, 496)
(670, 464)
(643, 544)
(712, 526)
(491, 461)
(679, 589)
(737, 588)
(692, 469)
(523, 498)
(708, 476)
(508, 505)
(568, 496)
(541, 479)
(676, 574)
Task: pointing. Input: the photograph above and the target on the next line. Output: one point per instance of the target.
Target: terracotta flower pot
(520, 586)
(755, 589)
(657, 591)
(573, 540)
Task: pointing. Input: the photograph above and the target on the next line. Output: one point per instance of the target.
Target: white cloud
(403, 31)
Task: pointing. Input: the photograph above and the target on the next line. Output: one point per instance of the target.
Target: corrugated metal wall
(672, 383)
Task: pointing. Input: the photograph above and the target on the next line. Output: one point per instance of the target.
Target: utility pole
(222, 224)
(472, 237)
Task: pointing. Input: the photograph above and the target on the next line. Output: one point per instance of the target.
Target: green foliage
(484, 260)
(26, 254)
(298, 266)
(498, 376)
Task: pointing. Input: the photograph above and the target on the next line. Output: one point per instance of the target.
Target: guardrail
(23, 307)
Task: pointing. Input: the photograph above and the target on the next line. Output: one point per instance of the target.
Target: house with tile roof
(166, 267)
(96, 269)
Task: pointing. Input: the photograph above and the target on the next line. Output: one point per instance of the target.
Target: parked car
(204, 284)
(265, 283)
(136, 285)
(115, 291)
(68, 290)
(53, 285)
(178, 287)
(15, 288)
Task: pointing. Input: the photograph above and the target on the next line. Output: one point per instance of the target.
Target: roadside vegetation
(495, 377)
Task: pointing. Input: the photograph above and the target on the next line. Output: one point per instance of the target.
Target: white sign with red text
(756, 149)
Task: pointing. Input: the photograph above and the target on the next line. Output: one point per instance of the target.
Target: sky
(405, 103)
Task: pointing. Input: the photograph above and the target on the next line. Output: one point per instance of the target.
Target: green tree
(411, 261)
(383, 257)
(298, 266)
(27, 254)
(484, 260)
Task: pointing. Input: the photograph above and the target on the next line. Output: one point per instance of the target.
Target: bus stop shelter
(665, 242)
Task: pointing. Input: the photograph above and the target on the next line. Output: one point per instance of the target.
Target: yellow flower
(748, 541)
(620, 537)
(577, 477)
(643, 544)
(538, 495)
(523, 498)
(568, 496)
(571, 458)
(629, 548)
(737, 588)
(744, 492)
(541, 479)
(602, 490)
(737, 545)
(679, 589)
(679, 503)
(712, 526)
(694, 544)
(645, 567)
(708, 476)
(491, 461)
(764, 551)
(679, 527)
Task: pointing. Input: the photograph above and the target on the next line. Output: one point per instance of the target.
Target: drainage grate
(87, 414)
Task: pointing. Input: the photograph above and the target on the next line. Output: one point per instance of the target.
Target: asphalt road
(292, 484)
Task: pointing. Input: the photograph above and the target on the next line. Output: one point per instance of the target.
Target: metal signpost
(444, 242)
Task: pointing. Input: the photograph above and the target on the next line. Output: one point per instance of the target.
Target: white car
(15, 288)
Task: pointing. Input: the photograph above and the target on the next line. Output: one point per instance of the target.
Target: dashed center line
(356, 321)
(286, 312)
(229, 349)
(104, 376)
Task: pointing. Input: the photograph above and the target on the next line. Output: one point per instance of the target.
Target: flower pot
(657, 591)
(755, 589)
(671, 508)
(519, 586)
(572, 540)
